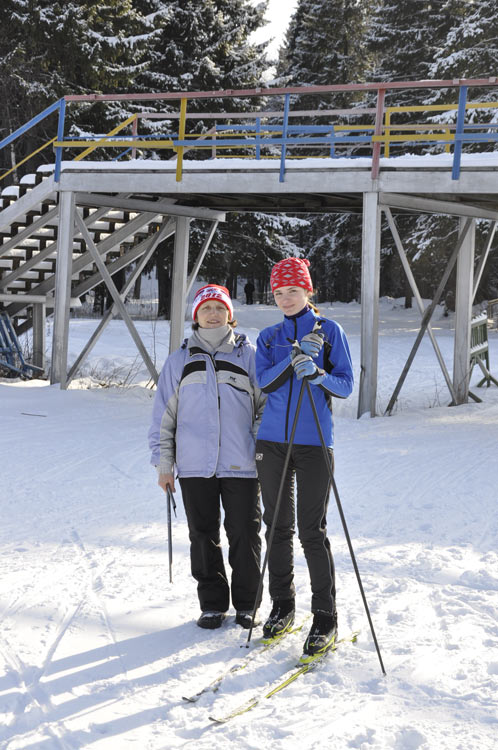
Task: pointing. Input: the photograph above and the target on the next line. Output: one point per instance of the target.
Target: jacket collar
(194, 344)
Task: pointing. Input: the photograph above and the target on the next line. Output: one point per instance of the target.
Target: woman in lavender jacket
(205, 418)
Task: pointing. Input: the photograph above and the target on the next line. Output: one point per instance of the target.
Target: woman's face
(291, 299)
(212, 314)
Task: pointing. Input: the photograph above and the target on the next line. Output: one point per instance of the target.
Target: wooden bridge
(77, 222)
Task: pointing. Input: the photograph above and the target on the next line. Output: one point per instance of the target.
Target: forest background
(49, 49)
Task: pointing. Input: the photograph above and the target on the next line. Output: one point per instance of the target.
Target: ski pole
(171, 501)
(275, 515)
(344, 524)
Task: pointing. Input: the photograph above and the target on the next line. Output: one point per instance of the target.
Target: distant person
(249, 291)
(324, 359)
(206, 413)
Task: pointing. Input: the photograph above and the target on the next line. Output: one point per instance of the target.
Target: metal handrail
(27, 158)
(378, 135)
(59, 105)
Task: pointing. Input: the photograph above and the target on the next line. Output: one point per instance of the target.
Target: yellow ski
(300, 669)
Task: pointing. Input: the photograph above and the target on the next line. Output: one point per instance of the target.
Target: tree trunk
(137, 288)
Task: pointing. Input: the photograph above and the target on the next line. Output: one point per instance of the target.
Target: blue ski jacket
(277, 379)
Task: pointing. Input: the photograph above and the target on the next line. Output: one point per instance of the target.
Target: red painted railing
(375, 135)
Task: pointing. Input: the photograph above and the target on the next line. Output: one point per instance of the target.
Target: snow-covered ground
(97, 648)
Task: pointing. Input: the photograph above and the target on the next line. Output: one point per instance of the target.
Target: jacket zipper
(213, 362)
(290, 393)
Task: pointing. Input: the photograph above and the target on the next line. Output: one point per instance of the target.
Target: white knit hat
(212, 291)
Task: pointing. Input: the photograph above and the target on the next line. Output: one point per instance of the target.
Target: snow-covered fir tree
(410, 40)
(323, 46)
(468, 49)
(51, 48)
(205, 47)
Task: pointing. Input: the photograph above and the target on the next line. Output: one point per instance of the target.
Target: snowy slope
(97, 647)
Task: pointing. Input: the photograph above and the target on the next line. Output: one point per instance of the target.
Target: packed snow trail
(97, 647)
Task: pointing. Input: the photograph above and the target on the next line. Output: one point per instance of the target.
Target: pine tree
(198, 47)
(51, 48)
(468, 49)
(404, 38)
(323, 46)
(203, 47)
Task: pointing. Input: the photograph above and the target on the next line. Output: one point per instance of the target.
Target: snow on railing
(271, 134)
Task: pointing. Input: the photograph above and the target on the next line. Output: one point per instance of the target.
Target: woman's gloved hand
(311, 344)
(304, 367)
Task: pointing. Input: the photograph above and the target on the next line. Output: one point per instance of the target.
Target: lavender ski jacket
(207, 411)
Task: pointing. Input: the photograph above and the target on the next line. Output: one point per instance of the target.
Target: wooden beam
(179, 283)
(463, 314)
(482, 260)
(58, 369)
(418, 297)
(452, 83)
(370, 276)
(39, 334)
(201, 256)
(152, 243)
(434, 206)
(164, 208)
(33, 299)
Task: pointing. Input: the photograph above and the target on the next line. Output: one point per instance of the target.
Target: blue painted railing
(281, 135)
(59, 106)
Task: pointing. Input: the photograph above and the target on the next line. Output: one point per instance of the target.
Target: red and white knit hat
(291, 272)
(212, 291)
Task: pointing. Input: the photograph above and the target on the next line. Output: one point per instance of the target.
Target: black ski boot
(211, 620)
(244, 619)
(322, 634)
(280, 619)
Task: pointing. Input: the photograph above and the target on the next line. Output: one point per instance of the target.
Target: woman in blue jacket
(205, 418)
(324, 359)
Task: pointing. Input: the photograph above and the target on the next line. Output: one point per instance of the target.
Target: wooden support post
(179, 283)
(39, 337)
(63, 270)
(463, 315)
(370, 275)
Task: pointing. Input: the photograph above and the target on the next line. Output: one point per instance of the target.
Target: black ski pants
(242, 522)
(308, 465)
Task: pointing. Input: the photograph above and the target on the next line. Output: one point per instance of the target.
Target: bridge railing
(270, 132)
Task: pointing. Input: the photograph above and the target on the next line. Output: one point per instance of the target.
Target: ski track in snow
(97, 648)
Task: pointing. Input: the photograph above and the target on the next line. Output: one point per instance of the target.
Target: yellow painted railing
(27, 158)
(391, 134)
(102, 142)
(447, 135)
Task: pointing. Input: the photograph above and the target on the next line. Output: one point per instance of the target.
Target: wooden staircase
(29, 223)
